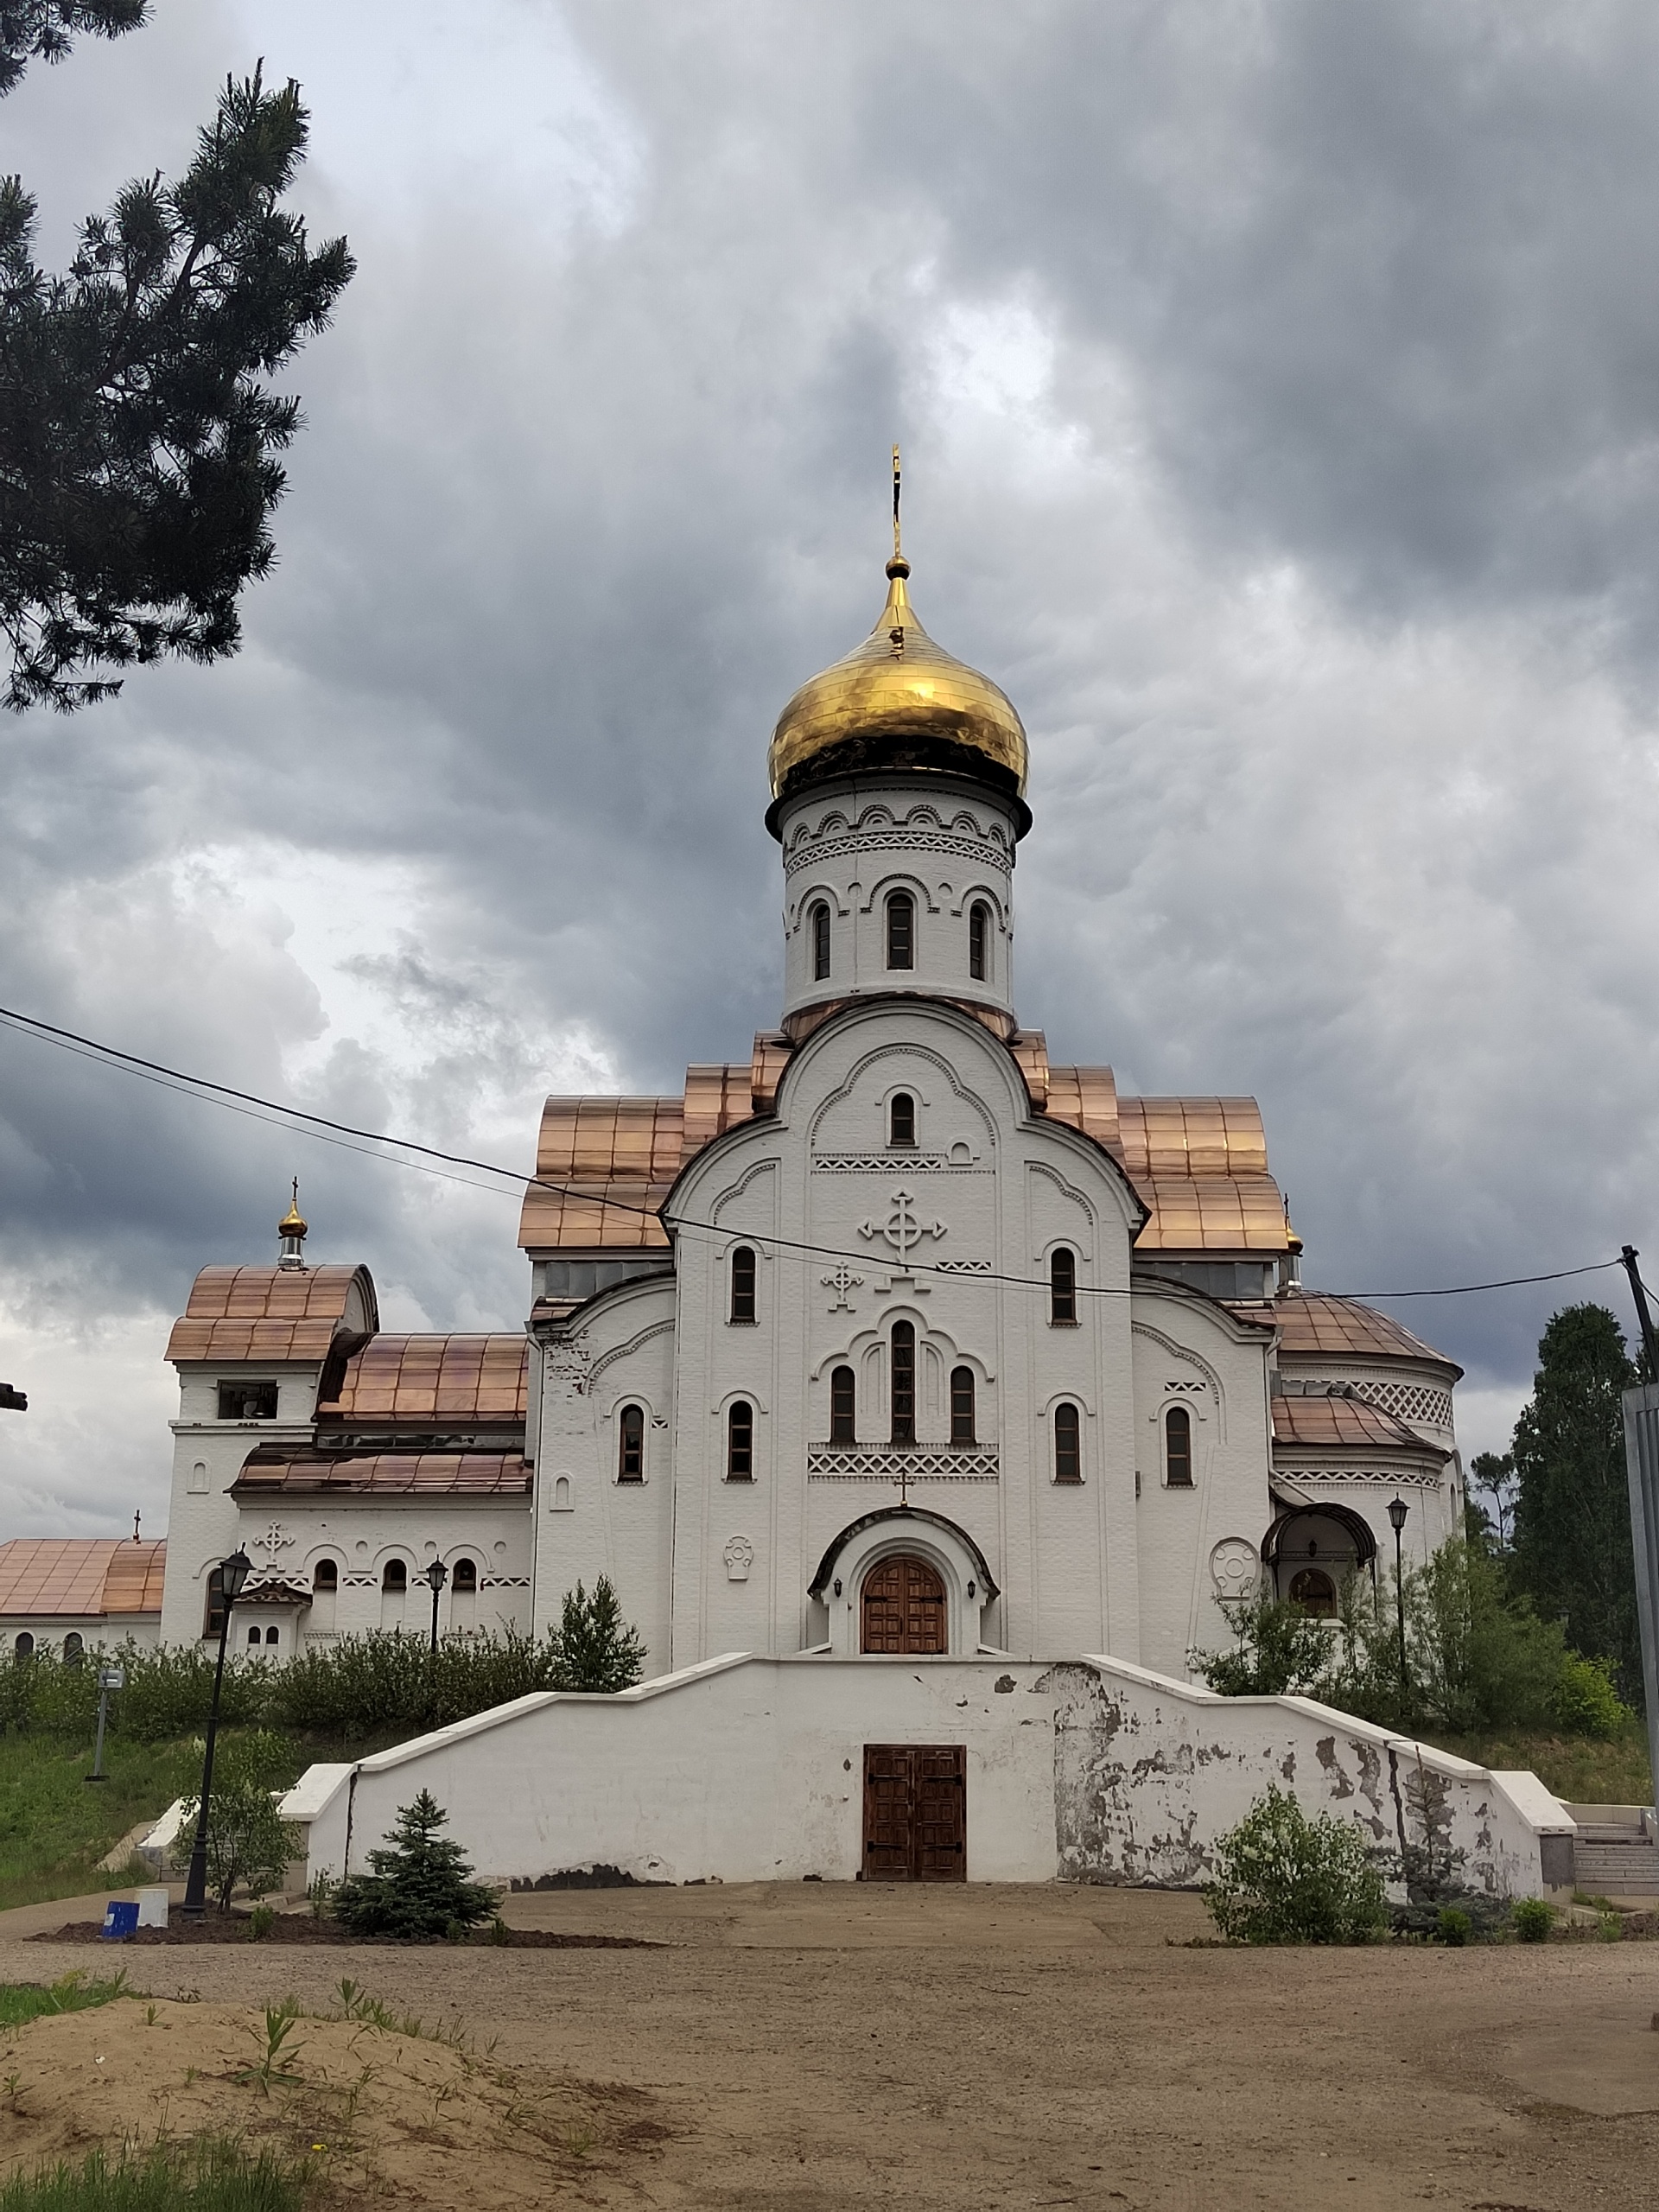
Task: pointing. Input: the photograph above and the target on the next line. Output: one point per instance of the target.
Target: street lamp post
(437, 1574)
(233, 1574)
(1397, 1512)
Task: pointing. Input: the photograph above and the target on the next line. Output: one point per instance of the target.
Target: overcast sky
(1278, 387)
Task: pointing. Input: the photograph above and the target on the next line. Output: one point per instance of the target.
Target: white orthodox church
(893, 1338)
(894, 1344)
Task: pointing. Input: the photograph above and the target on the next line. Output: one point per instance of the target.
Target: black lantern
(1397, 1512)
(233, 1574)
(437, 1575)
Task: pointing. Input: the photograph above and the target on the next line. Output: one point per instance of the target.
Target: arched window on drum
(1177, 1449)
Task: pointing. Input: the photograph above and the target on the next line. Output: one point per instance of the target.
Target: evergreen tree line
(356, 1688)
(1528, 1620)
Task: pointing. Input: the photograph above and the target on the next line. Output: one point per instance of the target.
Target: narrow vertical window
(1068, 1445)
(961, 1405)
(820, 942)
(979, 935)
(1062, 1287)
(631, 1448)
(743, 1283)
(74, 1649)
(253, 1637)
(1178, 1448)
(464, 1581)
(901, 931)
(842, 1401)
(214, 1619)
(904, 1382)
(325, 1575)
(901, 1119)
(24, 1645)
(740, 1443)
(395, 1576)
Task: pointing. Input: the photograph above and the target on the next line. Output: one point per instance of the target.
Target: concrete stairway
(1616, 1853)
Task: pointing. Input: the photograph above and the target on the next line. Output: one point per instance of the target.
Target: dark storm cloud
(1277, 388)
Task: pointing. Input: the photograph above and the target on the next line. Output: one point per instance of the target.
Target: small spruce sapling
(594, 1648)
(421, 1882)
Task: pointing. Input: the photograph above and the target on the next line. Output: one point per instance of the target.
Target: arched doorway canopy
(917, 1517)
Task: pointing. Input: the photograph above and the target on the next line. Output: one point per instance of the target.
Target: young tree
(420, 1884)
(248, 1843)
(137, 440)
(1573, 1554)
(594, 1648)
(42, 31)
(1493, 1473)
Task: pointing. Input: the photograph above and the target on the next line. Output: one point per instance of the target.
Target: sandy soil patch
(817, 2048)
(383, 2116)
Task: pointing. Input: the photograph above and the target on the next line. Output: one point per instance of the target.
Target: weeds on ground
(275, 2068)
(206, 2174)
(22, 2001)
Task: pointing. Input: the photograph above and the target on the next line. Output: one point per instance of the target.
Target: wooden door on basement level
(902, 1608)
(915, 1812)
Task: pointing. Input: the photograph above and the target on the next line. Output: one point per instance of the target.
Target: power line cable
(275, 1113)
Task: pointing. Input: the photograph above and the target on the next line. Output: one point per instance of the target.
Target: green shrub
(1532, 1918)
(261, 1921)
(249, 1844)
(1587, 1701)
(421, 1883)
(1280, 1878)
(1454, 1926)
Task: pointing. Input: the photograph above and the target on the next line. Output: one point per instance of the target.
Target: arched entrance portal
(902, 1607)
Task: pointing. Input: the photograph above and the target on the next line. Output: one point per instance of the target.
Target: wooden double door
(902, 1609)
(915, 1812)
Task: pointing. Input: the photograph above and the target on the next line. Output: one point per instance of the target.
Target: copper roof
(81, 1576)
(1345, 1425)
(266, 1312)
(272, 1471)
(434, 1379)
(1313, 1324)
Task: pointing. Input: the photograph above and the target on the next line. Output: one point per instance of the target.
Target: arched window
(961, 1405)
(979, 941)
(842, 1402)
(631, 1447)
(743, 1283)
(1062, 1288)
(1178, 1448)
(253, 1637)
(901, 1119)
(740, 1443)
(273, 1635)
(464, 1581)
(1068, 1445)
(213, 1614)
(395, 1575)
(1315, 1592)
(24, 1646)
(74, 1649)
(820, 942)
(901, 931)
(325, 1575)
(904, 1382)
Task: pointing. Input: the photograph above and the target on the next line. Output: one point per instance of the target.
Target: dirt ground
(809, 2048)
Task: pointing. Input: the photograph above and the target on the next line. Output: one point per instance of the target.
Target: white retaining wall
(752, 1770)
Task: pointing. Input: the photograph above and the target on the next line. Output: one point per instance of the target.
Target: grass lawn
(55, 1825)
(1581, 1771)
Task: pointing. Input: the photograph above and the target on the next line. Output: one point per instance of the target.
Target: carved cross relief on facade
(903, 1228)
(841, 1282)
(275, 1541)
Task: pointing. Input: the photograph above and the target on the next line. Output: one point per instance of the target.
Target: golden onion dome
(898, 701)
(293, 1223)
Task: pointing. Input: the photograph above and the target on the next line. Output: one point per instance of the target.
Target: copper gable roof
(428, 1379)
(273, 1471)
(1328, 1425)
(81, 1577)
(1199, 1165)
(277, 1313)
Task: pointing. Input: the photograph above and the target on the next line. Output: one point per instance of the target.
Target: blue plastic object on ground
(120, 1920)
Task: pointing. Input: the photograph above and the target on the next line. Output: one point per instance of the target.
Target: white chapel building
(895, 1339)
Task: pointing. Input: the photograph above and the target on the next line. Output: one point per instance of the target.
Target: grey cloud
(1274, 387)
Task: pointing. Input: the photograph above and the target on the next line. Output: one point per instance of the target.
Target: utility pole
(1641, 1472)
(1639, 1291)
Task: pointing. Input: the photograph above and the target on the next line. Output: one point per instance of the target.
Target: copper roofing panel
(1345, 1425)
(615, 1158)
(237, 1340)
(1087, 1098)
(272, 1471)
(434, 1377)
(1212, 1213)
(273, 1293)
(80, 1575)
(1313, 1324)
(1030, 1049)
(767, 1065)
(1192, 1136)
